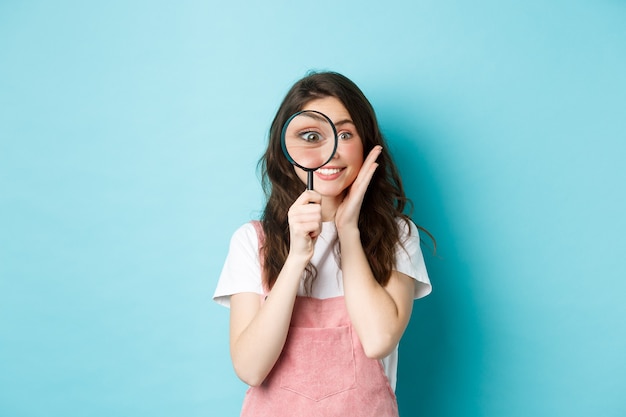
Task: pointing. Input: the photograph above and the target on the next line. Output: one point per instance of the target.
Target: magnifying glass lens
(310, 140)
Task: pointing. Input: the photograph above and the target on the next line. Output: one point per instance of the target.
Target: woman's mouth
(328, 174)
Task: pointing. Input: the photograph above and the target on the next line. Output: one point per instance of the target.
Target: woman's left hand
(347, 214)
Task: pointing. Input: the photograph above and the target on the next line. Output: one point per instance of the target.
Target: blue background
(129, 136)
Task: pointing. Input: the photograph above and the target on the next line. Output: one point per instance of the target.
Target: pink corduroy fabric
(322, 370)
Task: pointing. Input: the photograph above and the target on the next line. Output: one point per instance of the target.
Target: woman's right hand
(258, 330)
(305, 224)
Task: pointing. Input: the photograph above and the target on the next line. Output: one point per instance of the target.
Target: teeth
(328, 171)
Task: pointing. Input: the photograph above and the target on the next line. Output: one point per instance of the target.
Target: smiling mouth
(329, 171)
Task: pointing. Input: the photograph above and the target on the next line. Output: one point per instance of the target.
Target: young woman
(321, 289)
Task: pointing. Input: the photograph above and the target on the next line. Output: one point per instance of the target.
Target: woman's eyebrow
(313, 115)
(343, 122)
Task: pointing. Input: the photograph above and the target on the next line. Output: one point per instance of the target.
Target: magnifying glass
(309, 141)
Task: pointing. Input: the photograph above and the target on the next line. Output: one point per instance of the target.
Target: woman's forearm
(378, 315)
(259, 329)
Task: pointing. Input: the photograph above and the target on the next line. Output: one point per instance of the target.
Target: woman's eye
(311, 136)
(344, 135)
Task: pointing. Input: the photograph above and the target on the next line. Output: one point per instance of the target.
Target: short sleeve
(242, 269)
(409, 258)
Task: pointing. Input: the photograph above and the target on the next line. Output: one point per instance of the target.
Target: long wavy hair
(384, 202)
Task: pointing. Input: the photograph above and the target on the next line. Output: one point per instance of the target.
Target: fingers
(305, 222)
(305, 214)
(348, 212)
(307, 197)
(367, 170)
(373, 155)
(370, 164)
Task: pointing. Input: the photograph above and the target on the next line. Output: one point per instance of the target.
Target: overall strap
(258, 227)
(260, 236)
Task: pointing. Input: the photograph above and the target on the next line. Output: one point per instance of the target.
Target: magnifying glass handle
(309, 180)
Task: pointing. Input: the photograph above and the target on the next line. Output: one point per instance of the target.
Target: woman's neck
(329, 207)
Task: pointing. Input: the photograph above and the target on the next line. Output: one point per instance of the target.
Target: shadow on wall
(441, 353)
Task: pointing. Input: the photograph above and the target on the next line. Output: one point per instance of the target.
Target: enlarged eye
(344, 135)
(311, 136)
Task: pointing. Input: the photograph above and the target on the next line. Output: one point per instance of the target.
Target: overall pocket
(318, 362)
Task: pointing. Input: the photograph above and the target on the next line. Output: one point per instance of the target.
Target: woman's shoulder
(407, 228)
(409, 257)
(247, 230)
(246, 234)
(241, 269)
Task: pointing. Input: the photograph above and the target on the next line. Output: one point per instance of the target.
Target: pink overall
(322, 370)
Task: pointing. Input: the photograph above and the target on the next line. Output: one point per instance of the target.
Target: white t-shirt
(242, 271)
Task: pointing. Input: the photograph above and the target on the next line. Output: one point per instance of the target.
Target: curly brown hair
(384, 202)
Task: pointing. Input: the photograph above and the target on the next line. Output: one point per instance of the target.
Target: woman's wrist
(296, 261)
(346, 233)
